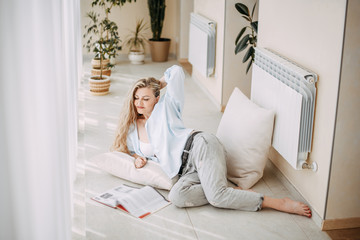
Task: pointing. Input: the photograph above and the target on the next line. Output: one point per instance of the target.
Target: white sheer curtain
(39, 59)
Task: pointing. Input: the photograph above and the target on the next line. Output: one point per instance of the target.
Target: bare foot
(287, 205)
(295, 207)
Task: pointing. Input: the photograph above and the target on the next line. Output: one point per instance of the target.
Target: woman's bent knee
(176, 199)
(187, 197)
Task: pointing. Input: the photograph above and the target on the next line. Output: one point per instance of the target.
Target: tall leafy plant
(157, 15)
(101, 33)
(249, 40)
(98, 40)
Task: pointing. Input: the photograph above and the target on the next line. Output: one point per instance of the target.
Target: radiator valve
(313, 166)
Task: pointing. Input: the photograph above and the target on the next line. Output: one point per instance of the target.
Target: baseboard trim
(223, 108)
(343, 223)
(183, 60)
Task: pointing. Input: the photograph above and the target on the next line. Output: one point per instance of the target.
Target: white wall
(344, 191)
(126, 15)
(186, 7)
(214, 10)
(230, 72)
(310, 32)
(234, 69)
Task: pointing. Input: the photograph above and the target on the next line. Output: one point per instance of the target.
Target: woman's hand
(162, 82)
(140, 162)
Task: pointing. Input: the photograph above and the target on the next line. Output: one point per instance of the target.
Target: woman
(151, 129)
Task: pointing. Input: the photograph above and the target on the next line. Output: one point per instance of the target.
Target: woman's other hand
(162, 82)
(140, 162)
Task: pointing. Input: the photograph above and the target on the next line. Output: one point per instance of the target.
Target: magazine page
(138, 202)
(142, 202)
(111, 197)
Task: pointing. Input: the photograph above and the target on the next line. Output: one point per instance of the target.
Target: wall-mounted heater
(202, 38)
(288, 89)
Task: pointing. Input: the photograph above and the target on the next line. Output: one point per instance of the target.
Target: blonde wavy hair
(129, 115)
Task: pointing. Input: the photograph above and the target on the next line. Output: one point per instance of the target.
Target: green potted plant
(99, 81)
(103, 40)
(250, 39)
(159, 47)
(136, 43)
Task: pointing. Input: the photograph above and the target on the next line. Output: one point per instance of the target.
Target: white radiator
(287, 88)
(202, 38)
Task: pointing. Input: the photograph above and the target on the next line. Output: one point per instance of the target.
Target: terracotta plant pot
(136, 57)
(99, 87)
(160, 49)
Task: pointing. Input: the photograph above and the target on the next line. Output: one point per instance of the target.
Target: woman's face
(144, 101)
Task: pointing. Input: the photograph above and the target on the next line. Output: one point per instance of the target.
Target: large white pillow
(246, 131)
(122, 165)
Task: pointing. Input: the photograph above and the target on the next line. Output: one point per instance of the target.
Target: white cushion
(122, 165)
(245, 130)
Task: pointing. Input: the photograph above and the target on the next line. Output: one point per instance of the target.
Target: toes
(308, 213)
(303, 205)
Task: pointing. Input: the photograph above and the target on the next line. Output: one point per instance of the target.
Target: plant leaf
(242, 44)
(252, 13)
(248, 67)
(243, 9)
(239, 35)
(254, 25)
(248, 54)
(247, 18)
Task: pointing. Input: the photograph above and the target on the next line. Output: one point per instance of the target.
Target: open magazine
(139, 202)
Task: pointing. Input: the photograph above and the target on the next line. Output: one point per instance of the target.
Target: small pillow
(246, 131)
(122, 165)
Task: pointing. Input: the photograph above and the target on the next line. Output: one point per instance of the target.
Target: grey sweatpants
(204, 180)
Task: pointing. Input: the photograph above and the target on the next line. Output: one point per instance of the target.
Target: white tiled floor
(98, 120)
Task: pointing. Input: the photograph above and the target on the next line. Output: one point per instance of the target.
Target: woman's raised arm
(174, 77)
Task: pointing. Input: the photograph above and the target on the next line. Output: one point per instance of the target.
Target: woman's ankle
(274, 203)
